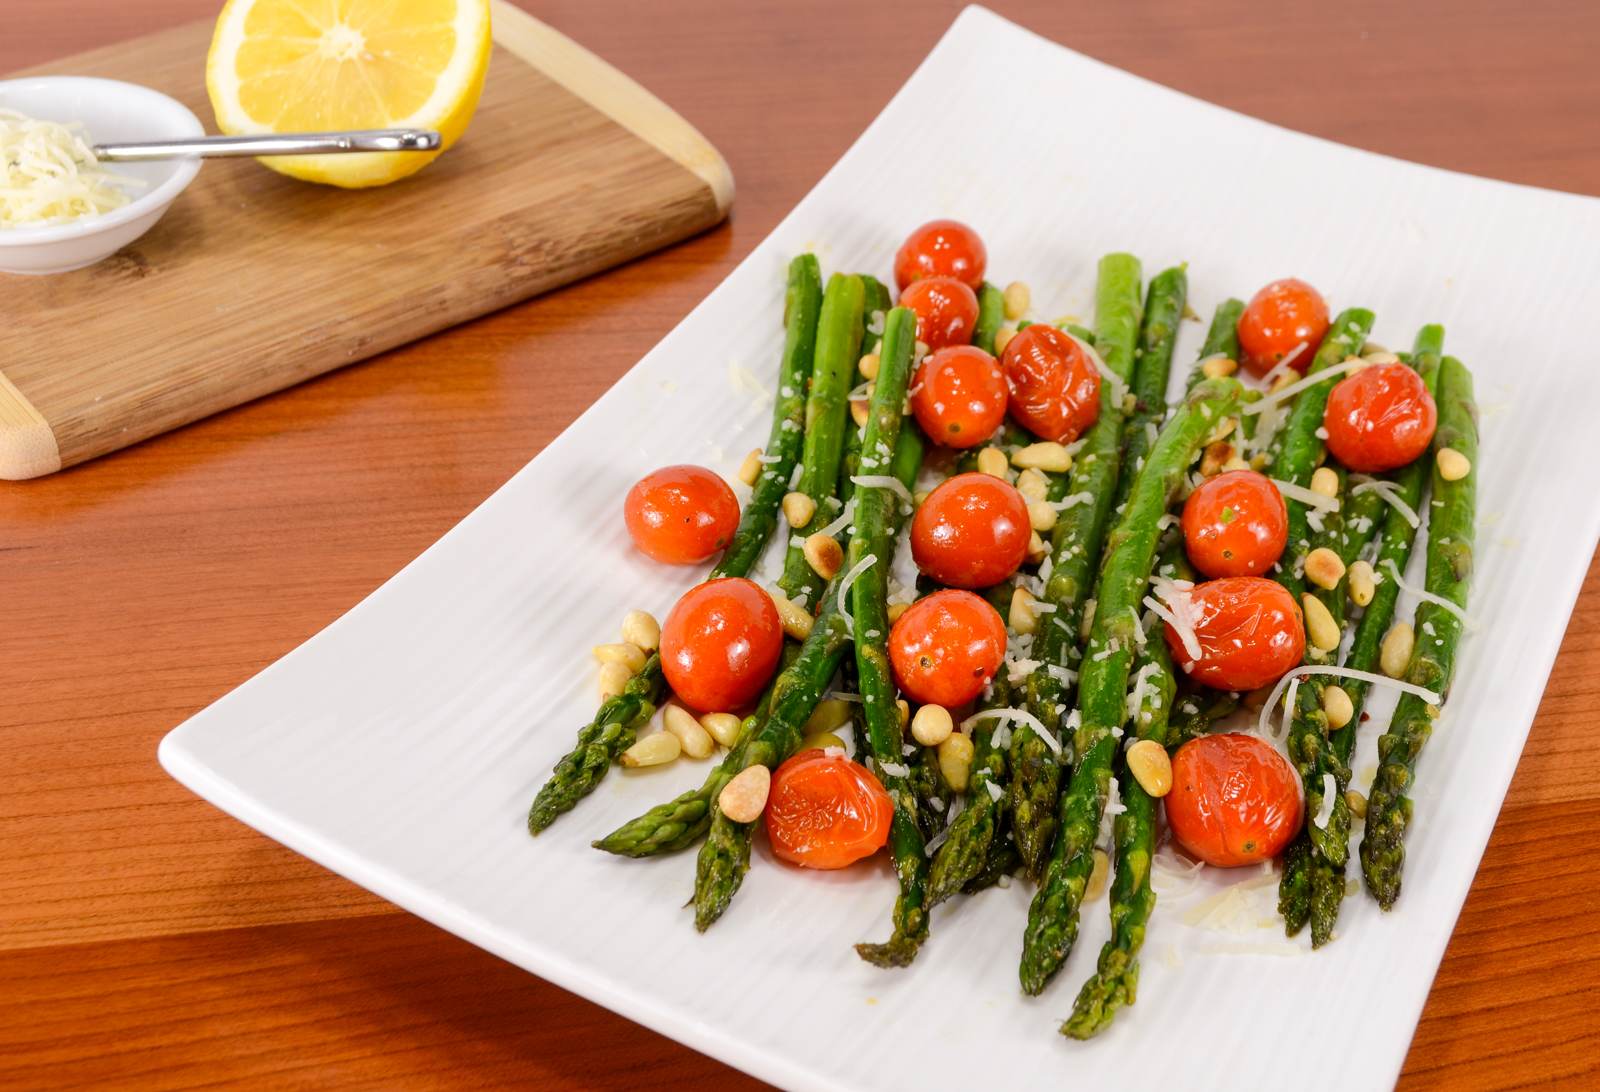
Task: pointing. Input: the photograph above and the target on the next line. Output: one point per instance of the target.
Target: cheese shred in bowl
(49, 175)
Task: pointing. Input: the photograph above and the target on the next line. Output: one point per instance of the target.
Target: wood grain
(148, 940)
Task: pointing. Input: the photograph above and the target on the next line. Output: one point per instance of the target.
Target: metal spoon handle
(358, 140)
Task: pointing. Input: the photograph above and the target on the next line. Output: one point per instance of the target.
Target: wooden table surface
(147, 939)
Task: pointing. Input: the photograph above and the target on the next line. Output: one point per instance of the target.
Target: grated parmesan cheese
(1428, 597)
(1330, 788)
(1391, 494)
(1268, 400)
(1300, 493)
(844, 590)
(1293, 677)
(49, 175)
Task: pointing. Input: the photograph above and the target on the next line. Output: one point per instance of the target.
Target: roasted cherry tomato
(1250, 632)
(1235, 524)
(1379, 418)
(824, 811)
(1277, 320)
(941, 248)
(960, 396)
(1055, 387)
(971, 532)
(946, 310)
(681, 514)
(721, 643)
(945, 647)
(1234, 801)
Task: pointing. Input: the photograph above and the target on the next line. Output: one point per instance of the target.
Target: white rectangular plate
(401, 746)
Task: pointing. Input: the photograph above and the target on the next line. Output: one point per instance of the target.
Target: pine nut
(1046, 455)
(1042, 515)
(750, 469)
(1235, 463)
(955, 761)
(1357, 802)
(1219, 367)
(692, 736)
(723, 727)
(1377, 354)
(1324, 568)
(1097, 876)
(744, 798)
(821, 741)
(1320, 628)
(1324, 482)
(641, 629)
(629, 655)
(1002, 338)
(896, 610)
(1033, 485)
(1150, 766)
(1363, 583)
(992, 461)
(868, 366)
(1017, 297)
(655, 749)
(860, 410)
(1337, 705)
(1394, 655)
(1022, 617)
(613, 678)
(796, 620)
(824, 554)
(1215, 455)
(1287, 376)
(798, 509)
(932, 725)
(1453, 466)
(1037, 550)
(829, 714)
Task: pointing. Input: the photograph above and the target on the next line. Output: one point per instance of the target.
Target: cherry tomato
(824, 811)
(1055, 387)
(721, 643)
(1234, 801)
(941, 248)
(1379, 418)
(1276, 320)
(681, 514)
(960, 396)
(1235, 524)
(947, 310)
(1250, 632)
(945, 647)
(971, 532)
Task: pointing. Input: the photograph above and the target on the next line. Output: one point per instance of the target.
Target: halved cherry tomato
(960, 396)
(946, 310)
(1379, 418)
(945, 647)
(971, 532)
(1235, 524)
(824, 811)
(1234, 801)
(1250, 632)
(941, 248)
(721, 643)
(681, 514)
(1276, 320)
(1055, 387)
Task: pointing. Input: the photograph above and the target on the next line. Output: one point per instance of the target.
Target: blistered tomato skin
(1380, 418)
(681, 515)
(1235, 524)
(826, 812)
(959, 396)
(1277, 320)
(972, 531)
(946, 647)
(1234, 801)
(1250, 632)
(721, 644)
(1054, 386)
(941, 248)
(946, 311)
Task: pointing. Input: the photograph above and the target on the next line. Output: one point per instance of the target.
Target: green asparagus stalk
(617, 722)
(1152, 367)
(999, 866)
(966, 850)
(877, 302)
(1222, 338)
(991, 313)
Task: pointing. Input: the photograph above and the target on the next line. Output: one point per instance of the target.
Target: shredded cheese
(1427, 597)
(1284, 365)
(993, 790)
(49, 175)
(1177, 610)
(1391, 494)
(1375, 679)
(1014, 715)
(883, 481)
(1268, 400)
(846, 519)
(1305, 496)
(844, 590)
(1330, 788)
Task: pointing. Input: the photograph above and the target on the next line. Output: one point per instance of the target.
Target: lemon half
(286, 66)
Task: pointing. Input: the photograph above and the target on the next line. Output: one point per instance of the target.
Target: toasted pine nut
(1042, 515)
(1215, 455)
(1235, 463)
(1321, 630)
(992, 461)
(868, 366)
(860, 410)
(932, 725)
(1033, 485)
(744, 798)
(1045, 455)
(1017, 298)
(798, 508)
(1394, 655)
(692, 736)
(1219, 367)
(724, 727)
(903, 707)
(655, 749)
(1097, 876)
(1022, 617)
(955, 761)
(829, 714)
(796, 620)
(1325, 482)
(1150, 766)
(626, 653)
(639, 627)
(821, 741)
(1037, 548)
(824, 554)
(750, 469)
(1287, 376)
(1453, 466)
(1337, 705)
(896, 610)
(1377, 354)
(1363, 583)
(1002, 338)
(1357, 802)
(1324, 567)
(613, 677)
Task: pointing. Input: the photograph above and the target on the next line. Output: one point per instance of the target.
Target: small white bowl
(111, 111)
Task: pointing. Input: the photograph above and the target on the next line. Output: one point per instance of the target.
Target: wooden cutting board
(253, 281)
